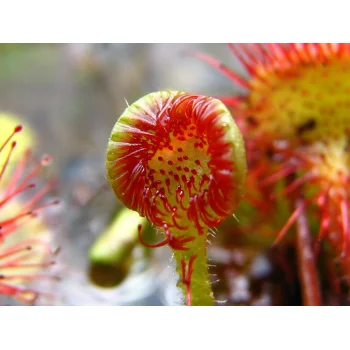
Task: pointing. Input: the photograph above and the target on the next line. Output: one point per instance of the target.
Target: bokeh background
(72, 95)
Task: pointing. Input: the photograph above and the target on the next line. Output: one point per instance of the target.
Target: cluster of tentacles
(24, 237)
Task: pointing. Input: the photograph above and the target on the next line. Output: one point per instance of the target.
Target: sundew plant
(179, 160)
(248, 191)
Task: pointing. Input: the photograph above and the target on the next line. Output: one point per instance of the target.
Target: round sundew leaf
(24, 236)
(178, 159)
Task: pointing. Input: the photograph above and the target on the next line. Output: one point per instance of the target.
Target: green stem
(198, 291)
(115, 244)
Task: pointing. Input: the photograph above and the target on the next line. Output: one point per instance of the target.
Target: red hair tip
(46, 160)
(18, 128)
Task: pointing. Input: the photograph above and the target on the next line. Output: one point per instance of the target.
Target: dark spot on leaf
(309, 125)
(252, 121)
